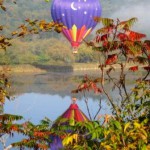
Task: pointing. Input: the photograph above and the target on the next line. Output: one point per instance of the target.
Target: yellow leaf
(126, 126)
(137, 125)
(131, 146)
(41, 26)
(107, 147)
(69, 139)
(14, 33)
(148, 146)
(75, 137)
(113, 138)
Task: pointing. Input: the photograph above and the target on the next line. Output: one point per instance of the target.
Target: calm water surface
(48, 95)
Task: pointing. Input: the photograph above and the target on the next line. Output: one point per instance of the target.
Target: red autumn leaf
(95, 88)
(42, 146)
(111, 59)
(83, 86)
(135, 36)
(147, 68)
(104, 37)
(25, 140)
(122, 36)
(14, 128)
(129, 52)
(147, 45)
(62, 136)
(98, 38)
(134, 68)
(116, 45)
(105, 43)
(41, 134)
(88, 84)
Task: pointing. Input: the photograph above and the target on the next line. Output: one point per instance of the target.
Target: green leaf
(105, 21)
(143, 147)
(147, 104)
(71, 122)
(117, 125)
(127, 24)
(94, 135)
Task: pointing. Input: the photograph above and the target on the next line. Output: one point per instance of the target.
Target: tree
(127, 127)
(36, 133)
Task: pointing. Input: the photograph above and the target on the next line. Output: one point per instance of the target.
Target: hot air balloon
(71, 116)
(77, 16)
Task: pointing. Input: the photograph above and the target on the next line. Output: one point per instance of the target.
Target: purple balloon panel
(78, 12)
(77, 16)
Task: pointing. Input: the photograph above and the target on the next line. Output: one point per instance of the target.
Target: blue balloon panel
(77, 16)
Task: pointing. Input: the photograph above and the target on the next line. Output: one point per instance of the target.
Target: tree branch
(86, 102)
(100, 107)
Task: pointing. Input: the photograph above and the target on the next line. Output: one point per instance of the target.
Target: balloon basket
(73, 99)
(75, 50)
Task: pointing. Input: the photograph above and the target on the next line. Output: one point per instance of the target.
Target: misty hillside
(39, 9)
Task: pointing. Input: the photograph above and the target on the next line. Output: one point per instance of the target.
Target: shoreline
(56, 68)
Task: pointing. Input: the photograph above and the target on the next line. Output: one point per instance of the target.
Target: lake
(36, 96)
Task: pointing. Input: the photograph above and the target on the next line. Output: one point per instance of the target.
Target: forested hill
(23, 9)
(40, 9)
(44, 48)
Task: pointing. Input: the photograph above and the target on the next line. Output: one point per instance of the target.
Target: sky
(140, 10)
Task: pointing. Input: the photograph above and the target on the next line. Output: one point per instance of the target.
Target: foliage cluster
(128, 125)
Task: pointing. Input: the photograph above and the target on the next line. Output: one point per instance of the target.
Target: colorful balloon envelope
(73, 114)
(77, 16)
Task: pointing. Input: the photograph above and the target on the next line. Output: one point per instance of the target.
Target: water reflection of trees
(53, 83)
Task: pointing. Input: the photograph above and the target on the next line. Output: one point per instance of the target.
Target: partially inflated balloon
(77, 16)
